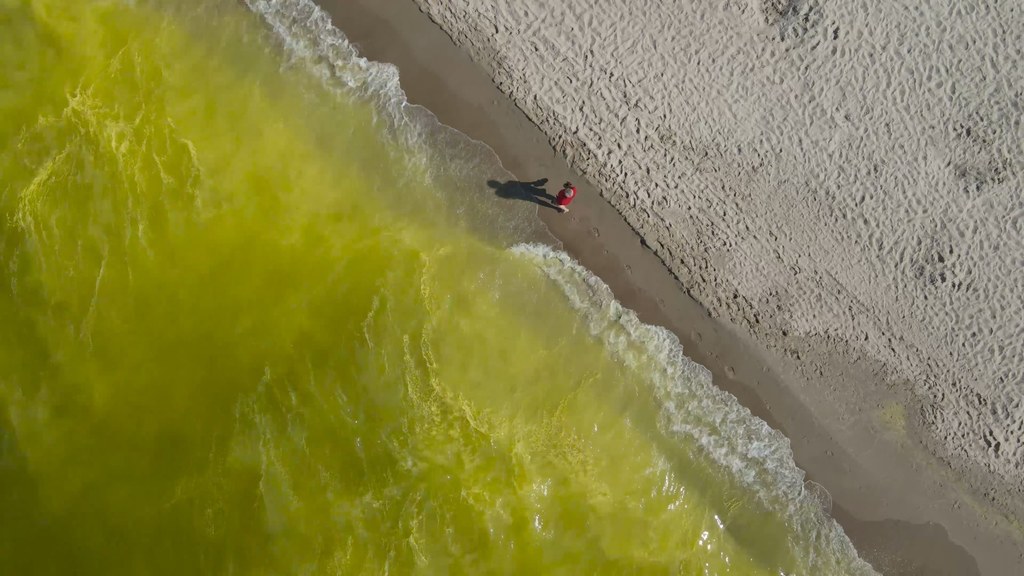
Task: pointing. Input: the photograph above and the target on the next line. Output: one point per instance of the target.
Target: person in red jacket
(565, 196)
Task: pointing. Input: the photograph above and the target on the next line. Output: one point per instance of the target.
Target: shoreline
(901, 508)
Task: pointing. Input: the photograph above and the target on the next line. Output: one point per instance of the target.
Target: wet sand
(902, 508)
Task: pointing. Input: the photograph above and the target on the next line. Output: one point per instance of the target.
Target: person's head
(567, 185)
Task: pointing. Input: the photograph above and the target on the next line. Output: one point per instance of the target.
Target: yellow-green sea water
(242, 332)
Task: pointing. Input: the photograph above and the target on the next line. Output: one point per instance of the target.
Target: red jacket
(565, 196)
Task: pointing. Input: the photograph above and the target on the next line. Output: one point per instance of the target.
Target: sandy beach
(864, 420)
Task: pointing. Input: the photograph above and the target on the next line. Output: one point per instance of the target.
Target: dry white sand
(842, 178)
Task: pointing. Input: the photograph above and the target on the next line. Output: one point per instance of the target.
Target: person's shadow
(526, 191)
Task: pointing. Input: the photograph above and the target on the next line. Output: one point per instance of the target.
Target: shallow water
(254, 323)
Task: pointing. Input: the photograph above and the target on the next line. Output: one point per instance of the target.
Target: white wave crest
(756, 455)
